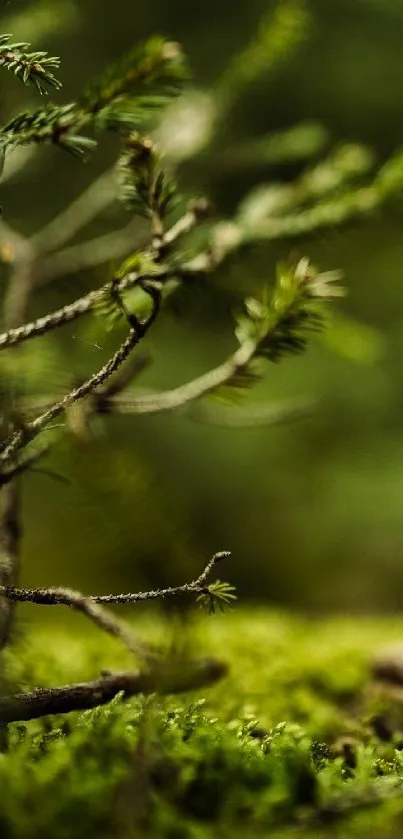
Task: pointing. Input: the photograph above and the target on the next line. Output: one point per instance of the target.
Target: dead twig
(85, 695)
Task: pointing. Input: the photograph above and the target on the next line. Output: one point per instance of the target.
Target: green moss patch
(299, 738)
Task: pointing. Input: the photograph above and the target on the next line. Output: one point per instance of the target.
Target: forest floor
(302, 738)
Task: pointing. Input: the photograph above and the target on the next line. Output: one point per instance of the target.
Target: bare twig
(198, 210)
(160, 676)
(61, 596)
(86, 695)
(96, 252)
(170, 400)
(134, 366)
(72, 311)
(102, 618)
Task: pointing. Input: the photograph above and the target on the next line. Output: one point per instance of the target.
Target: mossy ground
(298, 739)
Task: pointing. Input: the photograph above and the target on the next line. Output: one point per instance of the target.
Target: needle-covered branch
(119, 101)
(31, 67)
(267, 329)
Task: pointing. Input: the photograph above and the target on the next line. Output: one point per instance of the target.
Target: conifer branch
(31, 67)
(157, 63)
(55, 124)
(123, 100)
(266, 330)
(108, 104)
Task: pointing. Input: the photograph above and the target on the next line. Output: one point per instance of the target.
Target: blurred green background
(312, 510)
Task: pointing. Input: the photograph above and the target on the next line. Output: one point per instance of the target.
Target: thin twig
(61, 596)
(72, 311)
(102, 618)
(198, 210)
(102, 250)
(114, 245)
(16, 161)
(13, 245)
(126, 374)
(170, 400)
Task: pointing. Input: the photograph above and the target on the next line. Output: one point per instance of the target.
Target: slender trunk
(15, 308)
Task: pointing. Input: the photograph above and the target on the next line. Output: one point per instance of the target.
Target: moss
(297, 740)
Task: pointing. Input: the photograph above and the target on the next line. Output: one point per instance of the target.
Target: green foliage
(112, 103)
(158, 66)
(145, 187)
(279, 322)
(218, 596)
(54, 124)
(267, 754)
(279, 325)
(31, 67)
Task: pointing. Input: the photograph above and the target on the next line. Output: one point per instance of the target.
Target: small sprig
(121, 101)
(31, 67)
(54, 124)
(279, 324)
(217, 596)
(156, 64)
(145, 187)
